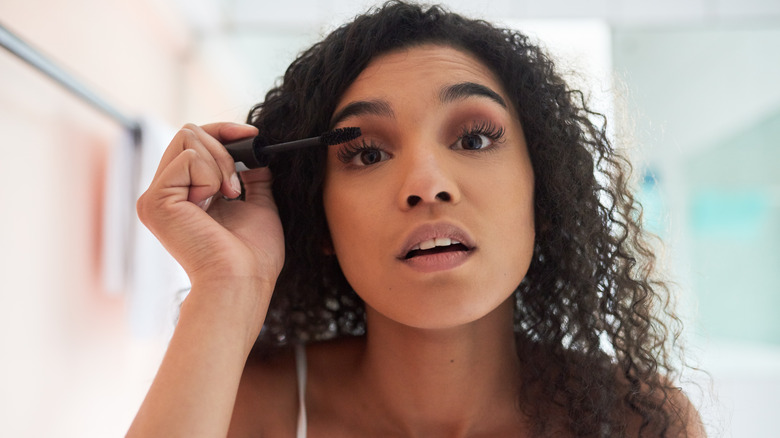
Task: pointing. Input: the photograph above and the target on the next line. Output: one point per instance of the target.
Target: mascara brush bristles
(341, 135)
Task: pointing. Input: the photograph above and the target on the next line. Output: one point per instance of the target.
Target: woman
(472, 265)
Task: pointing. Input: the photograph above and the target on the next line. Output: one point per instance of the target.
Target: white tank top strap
(300, 369)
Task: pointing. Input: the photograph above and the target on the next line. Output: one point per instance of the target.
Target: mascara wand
(251, 153)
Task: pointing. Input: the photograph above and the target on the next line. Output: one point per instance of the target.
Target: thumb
(257, 186)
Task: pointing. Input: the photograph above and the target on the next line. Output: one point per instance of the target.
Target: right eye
(362, 154)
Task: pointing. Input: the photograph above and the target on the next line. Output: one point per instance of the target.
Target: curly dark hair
(593, 328)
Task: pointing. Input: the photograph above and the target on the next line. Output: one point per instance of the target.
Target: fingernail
(235, 184)
(204, 204)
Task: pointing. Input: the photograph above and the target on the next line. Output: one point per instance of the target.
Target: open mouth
(435, 246)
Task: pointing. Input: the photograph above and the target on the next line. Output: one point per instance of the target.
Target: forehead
(420, 69)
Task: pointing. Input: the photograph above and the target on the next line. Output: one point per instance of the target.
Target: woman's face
(431, 209)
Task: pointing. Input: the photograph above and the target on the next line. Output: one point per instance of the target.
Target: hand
(216, 241)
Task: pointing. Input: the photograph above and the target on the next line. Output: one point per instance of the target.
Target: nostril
(413, 200)
(443, 196)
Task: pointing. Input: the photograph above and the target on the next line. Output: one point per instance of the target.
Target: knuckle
(141, 207)
(182, 140)
(190, 154)
(187, 135)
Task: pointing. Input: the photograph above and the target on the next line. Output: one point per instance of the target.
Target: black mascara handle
(246, 153)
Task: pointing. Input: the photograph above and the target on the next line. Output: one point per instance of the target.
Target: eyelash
(349, 151)
(486, 128)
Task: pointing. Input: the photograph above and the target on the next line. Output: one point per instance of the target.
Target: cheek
(507, 205)
(519, 248)
(515, 234)
(353, 222)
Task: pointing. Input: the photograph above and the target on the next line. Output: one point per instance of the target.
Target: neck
(451, 381)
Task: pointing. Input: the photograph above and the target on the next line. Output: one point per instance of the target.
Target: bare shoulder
(267, 400)
(683, 417)
(691, 425)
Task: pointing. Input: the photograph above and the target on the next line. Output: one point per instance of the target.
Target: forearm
(195, 388)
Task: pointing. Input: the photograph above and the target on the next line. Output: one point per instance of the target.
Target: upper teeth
(432, 243)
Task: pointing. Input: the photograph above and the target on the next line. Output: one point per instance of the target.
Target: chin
(442, 312)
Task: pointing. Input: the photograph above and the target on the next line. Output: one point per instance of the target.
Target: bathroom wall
(70, 366)
(704, 106)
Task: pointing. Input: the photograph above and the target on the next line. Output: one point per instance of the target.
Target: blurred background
(87, 298)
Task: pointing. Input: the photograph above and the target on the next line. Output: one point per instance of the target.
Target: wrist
(232, 309)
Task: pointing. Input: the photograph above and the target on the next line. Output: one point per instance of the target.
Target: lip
(436, 261)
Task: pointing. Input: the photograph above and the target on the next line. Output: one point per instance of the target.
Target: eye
(471, 142)
(362, 154)
(480, 135)
(368, 157)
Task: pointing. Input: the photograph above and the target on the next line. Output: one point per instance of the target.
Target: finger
(167, 201)
(231, 187)
(226, 132)
(186, 138)
(189, 177)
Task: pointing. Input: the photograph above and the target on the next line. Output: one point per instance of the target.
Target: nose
(427, 179)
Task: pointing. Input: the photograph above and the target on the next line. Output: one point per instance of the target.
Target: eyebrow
(465, 90)
(376, 107)
(382, 108)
